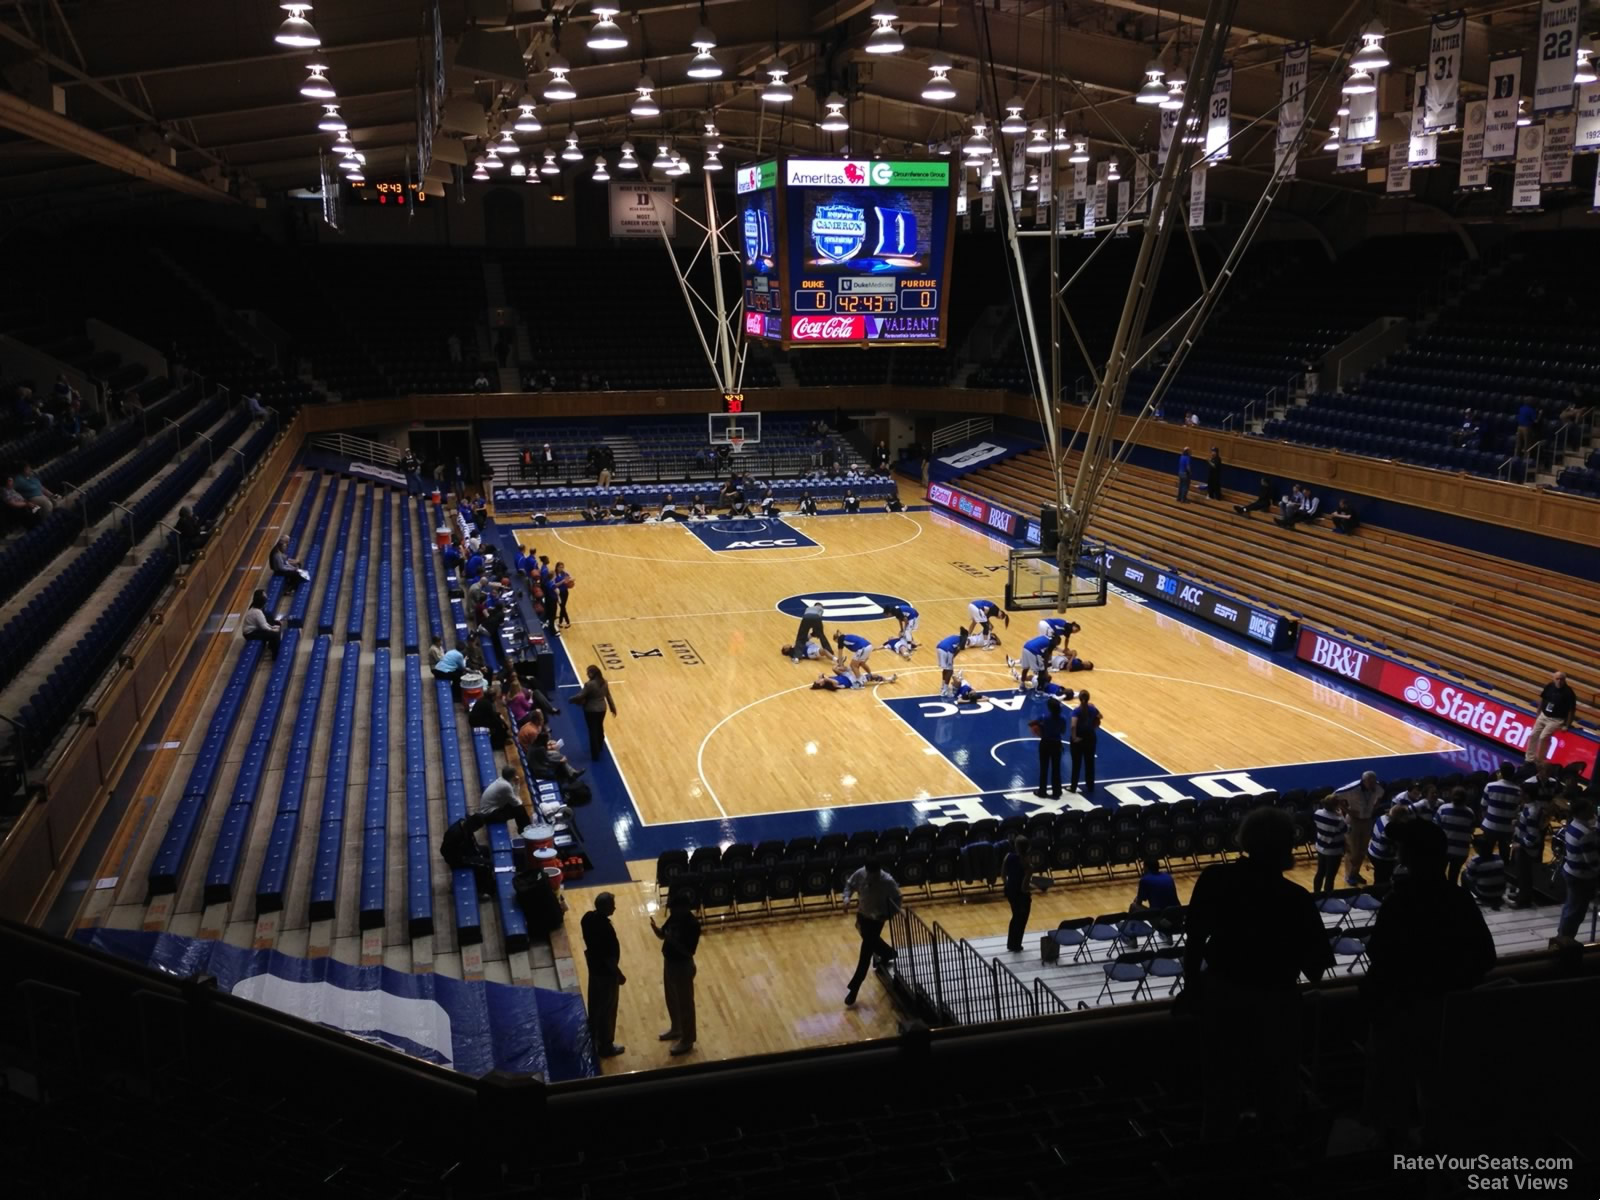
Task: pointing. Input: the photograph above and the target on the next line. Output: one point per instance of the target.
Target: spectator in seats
(1290, 505)
(460, 851)
(285, 567)
(452, 554)
(1572, 414)
(523, 702)
(1191, 418)
(619, 508)
(1429, 939)
(1360, 805)
(472, 568)
(1486, 874)
(64, 393)
(1332, 830)
(17, 505)
(1156, 889)
(1580, 868)
(603, 955)
(485, 714)
(474, 653)
(593, 512)
(595, 699)
(1425, 801)
(32, 489)
(851, 502)
(1262, 502)
(191, 533)
(669, 510)
(453, 345)
(697, 509)
(561, 584)
(1251, 935)
(452, 665)
(1457, 819)
(877, 897)
(1533, 828)
(1214, 475)
(257, 625)
(807, 506)
(71, 423)
(1558, 708)
(1527, 425)
(1342, 518)
(680, 938)
(1466, 437)
(252, 401)
(500, 801)
(769, 503)
(1312, 375)
(547, 462)
(1380, 846)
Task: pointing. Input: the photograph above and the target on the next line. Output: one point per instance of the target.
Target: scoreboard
(843, 252)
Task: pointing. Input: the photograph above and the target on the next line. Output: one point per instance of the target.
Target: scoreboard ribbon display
(1206, 603)
(845, 252)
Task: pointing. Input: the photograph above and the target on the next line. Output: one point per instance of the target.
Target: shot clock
(846, 253)
(388, 193)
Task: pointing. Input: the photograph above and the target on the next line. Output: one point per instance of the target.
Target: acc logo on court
(761, 544)
(841, 606)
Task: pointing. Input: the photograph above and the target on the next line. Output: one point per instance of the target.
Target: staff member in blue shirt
(1084, 733)
(1050, 728)
(450, 667)
(1185, 470)
(1014, 874)
(947, 649)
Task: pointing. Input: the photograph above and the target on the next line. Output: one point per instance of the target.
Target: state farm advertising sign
(973, 509)
(828, 329)
(1442, 698)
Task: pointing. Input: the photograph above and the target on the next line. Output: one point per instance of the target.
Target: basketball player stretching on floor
(981, 613)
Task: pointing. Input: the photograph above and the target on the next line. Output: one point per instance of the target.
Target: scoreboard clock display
(389, 193)
(840, 252)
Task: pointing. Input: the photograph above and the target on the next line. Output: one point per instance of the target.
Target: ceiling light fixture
(343, 145)
(1359, 83)
(1583, 71)
(517, 169)
(884, 39)
(1033, 180)
(507, 144)
(492, 160)
(712, 163)
(1113, 172)
(1332, 143)
(527, 121)
(1014, 122)
(704, 64)
(1522, 112)
(318, 87)
(1153, 90)
(559, 87)
(834, 121)
(572, 153)
(645, 106)
(939, 88)
(1080, 153)
(606, 34)
(1175, 85)
(600, 172)
(480, 174)
(331, 121)
(1038, 141)
(549, 166)
(977, 146)
(663, 160)
(1063, 142)
(296, 32)
(627, 162)
(777, 90)
(1371, 58)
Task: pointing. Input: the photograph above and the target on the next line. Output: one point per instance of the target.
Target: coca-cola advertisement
(1445, 699)
(828, 329)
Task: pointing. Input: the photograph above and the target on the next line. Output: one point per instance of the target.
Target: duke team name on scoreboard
(839, 252)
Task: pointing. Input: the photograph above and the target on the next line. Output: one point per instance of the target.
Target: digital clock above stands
(396, 193)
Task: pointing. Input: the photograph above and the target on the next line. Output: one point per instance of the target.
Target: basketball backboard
(724, 428)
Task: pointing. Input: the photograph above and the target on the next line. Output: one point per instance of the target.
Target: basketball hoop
(736, 442)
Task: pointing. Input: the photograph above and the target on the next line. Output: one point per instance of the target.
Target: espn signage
(1440, 698)
(999, 519)
(1267, 628)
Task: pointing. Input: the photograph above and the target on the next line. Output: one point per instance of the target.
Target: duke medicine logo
(841, 606)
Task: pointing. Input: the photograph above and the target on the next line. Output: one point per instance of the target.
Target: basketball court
(720, 738)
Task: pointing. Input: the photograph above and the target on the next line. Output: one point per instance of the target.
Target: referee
(810, 627)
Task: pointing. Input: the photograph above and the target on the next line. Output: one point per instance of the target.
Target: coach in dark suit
(604, 956)
(1051, 728)
(1085, 734)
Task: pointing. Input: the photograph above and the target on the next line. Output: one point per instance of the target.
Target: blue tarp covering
(473, 1028)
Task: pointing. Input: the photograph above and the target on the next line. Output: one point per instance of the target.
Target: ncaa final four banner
(1556, 168)
(1218, 118)
(1124, 192)
(1422, 148)
(1557, 55)
(1474, 171)
(1292, 109)
(1443, 93)
(1141, 184)
(1530, 166)
(1348, 157)
(1500, 119)
(1397, 175)
(1197, 197)
(1586, 137)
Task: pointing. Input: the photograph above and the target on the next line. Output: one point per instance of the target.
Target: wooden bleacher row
(1488, 620)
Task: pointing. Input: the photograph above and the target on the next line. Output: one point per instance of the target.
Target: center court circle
(841, 606)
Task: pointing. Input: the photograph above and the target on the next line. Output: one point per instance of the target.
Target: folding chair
(1334, 906)
(1366, 903)
(1136, 930)
(1167, 963)
(1072, 933)
(1126, 968)
(1351, 944)
(1171, 923)
(1106, 930)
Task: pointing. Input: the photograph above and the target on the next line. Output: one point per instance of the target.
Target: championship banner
(1556, 168)
(1362, 123)
(1349, 154)
(1422, 149)
(962, 210)
(1218, 122)
(1530, 163)
(1443, 92)
(986, 196)
(1594, 205)
(1019, 174)
(1169, 126)
(1124, 191)
(1557, 55)
(1500, 120)
(1292, 111)
(1586, 138)
(1141, 184)
(1047, 188)
(1197, 197)
(1397, 177)
(1092, 196)
(1102, 190)
(1474, 171)
(1080, 182)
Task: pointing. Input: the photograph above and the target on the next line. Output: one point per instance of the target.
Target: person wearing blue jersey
(1502, 796)
(908, 618)
(1066, 659)
(981, 615)
(947, 649)
(856, 650)
(1580, 868)
(962, 692)
(1533, 827)
(1458, 819)
(1083, 738)
(1050, 729)
(1485, 875)
(1381, 849)
(1035, 660)
(811, 649)
(1059, 628)
(1331, 828)
(899, 644)
(840, 681)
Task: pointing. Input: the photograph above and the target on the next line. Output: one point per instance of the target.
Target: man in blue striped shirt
(1581, 868)
(1486, 873)
(1501, 796)
(1331, 830)
(1458, 819)
(1533, 826)
(1381, 848)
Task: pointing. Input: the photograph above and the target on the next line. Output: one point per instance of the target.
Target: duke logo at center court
(841, 606)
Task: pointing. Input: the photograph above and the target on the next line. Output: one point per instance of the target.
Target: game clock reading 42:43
(846, 252)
